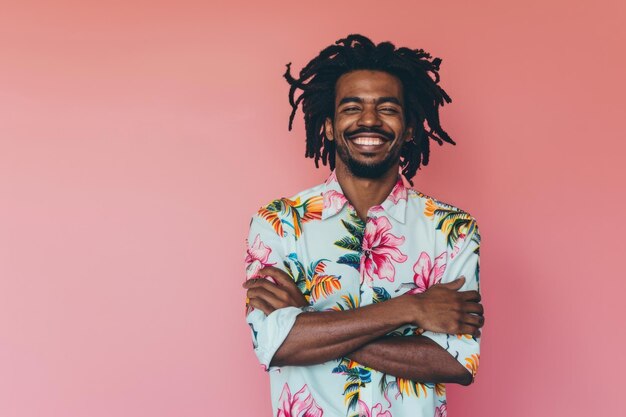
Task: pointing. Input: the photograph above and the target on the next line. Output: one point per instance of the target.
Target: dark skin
(370, 103)
(368, 100)
(360, 333)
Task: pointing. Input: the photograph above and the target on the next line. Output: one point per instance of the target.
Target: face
(369, 127)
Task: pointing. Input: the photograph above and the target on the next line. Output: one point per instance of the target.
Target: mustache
(387, 135)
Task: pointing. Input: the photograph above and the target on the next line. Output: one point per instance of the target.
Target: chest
(343, 262)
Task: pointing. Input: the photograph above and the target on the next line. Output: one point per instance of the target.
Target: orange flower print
(471, 363)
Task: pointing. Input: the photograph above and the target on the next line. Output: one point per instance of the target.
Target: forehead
(368, 85)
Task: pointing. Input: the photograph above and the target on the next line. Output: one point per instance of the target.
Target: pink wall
(137, 138)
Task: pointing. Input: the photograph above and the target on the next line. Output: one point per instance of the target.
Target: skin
(371, 103)
(360, 333)
(367, 101)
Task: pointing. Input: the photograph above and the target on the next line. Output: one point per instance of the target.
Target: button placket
(367, 292)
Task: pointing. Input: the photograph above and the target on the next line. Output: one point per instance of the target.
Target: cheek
(341, 131)
(344, 122)
(397, 125)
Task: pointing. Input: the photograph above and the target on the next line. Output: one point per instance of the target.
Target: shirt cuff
(276, 327)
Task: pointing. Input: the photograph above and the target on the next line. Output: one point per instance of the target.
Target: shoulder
(310, 198)
(450, 220)
(287, 214)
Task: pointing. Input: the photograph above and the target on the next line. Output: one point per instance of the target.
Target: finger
(286, 282)
(273, 299)
(456, 284)
(262, 305)
(476, 333)
(288, 296)
(476, 308)
(467, 329)
(289, 286)
(272, 271)
(249, 283)
(269, 286)
(281, 277)
(472, 295)
(474, 320)
(266, 273)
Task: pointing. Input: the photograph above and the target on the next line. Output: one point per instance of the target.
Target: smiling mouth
(368, 141)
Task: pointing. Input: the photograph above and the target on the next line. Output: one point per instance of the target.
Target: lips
(367, 140)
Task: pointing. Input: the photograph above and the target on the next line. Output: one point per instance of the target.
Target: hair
(416, 70)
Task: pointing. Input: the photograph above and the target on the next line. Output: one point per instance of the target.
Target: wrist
(407, 309)
(413, 308)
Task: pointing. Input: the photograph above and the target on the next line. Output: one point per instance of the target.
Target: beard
(371, 170)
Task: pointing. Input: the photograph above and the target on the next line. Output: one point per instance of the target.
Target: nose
(369, 117)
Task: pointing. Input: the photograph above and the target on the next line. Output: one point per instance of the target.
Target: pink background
(137, 139)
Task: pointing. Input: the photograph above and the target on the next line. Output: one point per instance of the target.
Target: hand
(268, 296)
(444, 309)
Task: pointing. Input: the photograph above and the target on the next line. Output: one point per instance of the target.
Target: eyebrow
(379, 100)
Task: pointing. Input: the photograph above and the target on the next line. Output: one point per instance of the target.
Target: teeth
(368, 141)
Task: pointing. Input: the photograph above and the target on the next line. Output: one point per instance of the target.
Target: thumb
(456, 284)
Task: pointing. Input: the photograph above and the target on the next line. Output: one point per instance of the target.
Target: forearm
(322, 336)
(417, 358)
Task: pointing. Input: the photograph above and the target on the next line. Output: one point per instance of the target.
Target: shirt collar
(334, 199)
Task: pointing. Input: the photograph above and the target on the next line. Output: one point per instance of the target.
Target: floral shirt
(408, 243)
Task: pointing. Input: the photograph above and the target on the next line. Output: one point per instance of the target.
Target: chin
(371, 171)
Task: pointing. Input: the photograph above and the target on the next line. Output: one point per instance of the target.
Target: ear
(328, 129)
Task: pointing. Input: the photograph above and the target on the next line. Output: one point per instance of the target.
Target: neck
(364, 193)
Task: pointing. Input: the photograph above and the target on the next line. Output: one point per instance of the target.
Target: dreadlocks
(422, 95)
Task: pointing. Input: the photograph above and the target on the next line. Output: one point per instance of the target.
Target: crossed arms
(360, 334)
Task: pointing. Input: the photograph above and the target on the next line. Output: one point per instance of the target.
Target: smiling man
(362, 293)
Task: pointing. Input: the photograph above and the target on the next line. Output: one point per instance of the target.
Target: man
(363, 293)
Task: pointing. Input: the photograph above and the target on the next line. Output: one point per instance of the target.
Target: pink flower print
(380, 247)
(377, 410)
(257, 257)
(333, 201)
(363, 410)
(299, 405)
(456, 248)
(331, 178)
(399, 192)
(426, 274)
(441, 411)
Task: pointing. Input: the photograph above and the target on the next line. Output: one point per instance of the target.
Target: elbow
(285, 356)
(469, 370)
(465, 379)
(462, 375)
(278, 359)
(277, 362)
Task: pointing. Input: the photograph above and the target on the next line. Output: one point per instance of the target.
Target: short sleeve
(463, 259)
(265, 248)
